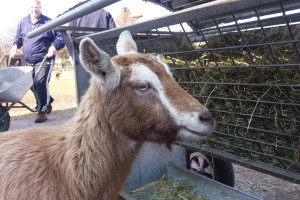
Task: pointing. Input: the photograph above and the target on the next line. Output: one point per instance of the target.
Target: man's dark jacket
(97, 19)
(36, 48)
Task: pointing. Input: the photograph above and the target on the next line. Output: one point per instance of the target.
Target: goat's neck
(99, 156)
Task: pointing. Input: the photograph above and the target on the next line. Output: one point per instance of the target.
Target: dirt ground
(63, 91)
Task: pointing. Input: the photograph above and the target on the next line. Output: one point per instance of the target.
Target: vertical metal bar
(67, 41)
(267, 40)
(162, 41)
(207, 45)
(183, 56)
(291, 35)
(161, 37)
(247, 48)
(295, 113)
(192, 48)
(224, 41)
(139, 42)
(150, 41)
(103, 46)
(82, 77)
(114, 41)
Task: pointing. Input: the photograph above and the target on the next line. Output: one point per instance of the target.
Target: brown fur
(90, 156)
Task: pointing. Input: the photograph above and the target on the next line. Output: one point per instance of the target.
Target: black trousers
(41, 85)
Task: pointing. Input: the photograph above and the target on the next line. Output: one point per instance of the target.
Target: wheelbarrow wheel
(5, 122)
(214, 168)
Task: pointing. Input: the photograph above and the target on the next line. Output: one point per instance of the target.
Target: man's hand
(51, 51)
(13, 51)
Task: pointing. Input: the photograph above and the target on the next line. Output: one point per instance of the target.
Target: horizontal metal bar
(251, 151)
(259, 166)
(248, 14)
(253, 116)
(125, 196)
(256, 141)
(239, 84)
(251, 101)
(169, 35)
(294, 65)
(73, 28)
(184, 4)
(232, 47)
(189, 14)
(80, 11)
(207, 32)
(261, 130)
(24, 105)
(266, 23)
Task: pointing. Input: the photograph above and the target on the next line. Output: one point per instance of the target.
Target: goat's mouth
(198, 133)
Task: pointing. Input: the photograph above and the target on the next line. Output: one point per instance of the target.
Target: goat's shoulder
(34, 138)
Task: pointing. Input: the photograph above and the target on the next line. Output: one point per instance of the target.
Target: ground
(63, 90)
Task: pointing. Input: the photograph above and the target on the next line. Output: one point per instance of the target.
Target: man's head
(34, 9)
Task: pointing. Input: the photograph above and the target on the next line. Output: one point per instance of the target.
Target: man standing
(35, 49)
(97, 19)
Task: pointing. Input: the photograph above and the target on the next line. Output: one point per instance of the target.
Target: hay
(166, 189)
(254, 127)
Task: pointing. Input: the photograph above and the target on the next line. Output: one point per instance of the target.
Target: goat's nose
(206, 118)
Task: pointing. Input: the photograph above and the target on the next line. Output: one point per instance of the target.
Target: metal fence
(241, 59)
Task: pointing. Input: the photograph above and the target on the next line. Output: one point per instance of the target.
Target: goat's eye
(143, 87)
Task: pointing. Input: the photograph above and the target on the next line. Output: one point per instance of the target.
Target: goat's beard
(167, 136)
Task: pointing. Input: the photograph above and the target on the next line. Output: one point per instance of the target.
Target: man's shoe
(49, 108)
(41, 117)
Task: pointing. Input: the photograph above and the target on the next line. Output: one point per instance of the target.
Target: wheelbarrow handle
(39, 69)
(9, 61)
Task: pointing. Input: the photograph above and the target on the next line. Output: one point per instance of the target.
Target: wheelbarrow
(15, 82)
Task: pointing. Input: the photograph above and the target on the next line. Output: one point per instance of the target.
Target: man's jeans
(41, 86)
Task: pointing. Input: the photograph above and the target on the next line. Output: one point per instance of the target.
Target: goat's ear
(98, 64)
(126, 44)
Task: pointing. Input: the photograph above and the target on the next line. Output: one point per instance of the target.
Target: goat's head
(141, 99)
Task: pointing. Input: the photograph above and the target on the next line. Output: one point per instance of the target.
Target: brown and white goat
(131, 99)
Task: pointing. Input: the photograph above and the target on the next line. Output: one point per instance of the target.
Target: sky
(13, 10)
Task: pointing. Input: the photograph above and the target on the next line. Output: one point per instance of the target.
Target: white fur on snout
(188, 121)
